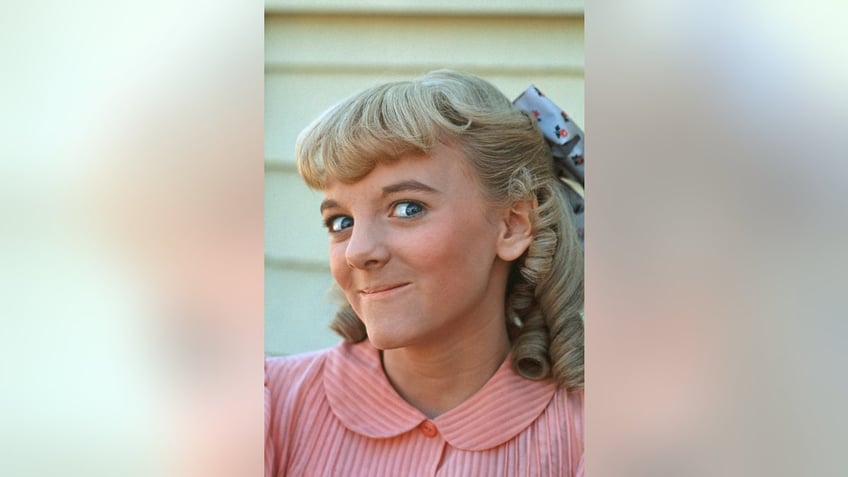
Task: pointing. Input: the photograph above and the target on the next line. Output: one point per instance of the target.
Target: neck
(437, 378)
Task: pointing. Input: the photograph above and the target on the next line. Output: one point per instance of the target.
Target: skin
(423, 260)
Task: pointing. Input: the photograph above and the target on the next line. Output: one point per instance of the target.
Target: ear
(516, 230)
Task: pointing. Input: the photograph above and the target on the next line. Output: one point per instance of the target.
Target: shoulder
(569, 410)
(293, 385)
(569, 407)
(280, 369)
(288, 377)
(294, 390)
(572, 399)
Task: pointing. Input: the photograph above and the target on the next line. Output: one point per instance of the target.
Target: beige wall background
(320, 51)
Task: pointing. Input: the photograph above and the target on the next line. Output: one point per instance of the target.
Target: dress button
(428, 428)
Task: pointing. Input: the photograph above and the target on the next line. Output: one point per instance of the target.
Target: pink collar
(365, 402)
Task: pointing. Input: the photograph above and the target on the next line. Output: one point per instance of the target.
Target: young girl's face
(415, 248)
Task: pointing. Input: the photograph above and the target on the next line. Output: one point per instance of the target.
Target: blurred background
(318, 52)
(131, 238)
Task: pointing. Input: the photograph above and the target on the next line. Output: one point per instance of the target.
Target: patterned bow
(565, 139)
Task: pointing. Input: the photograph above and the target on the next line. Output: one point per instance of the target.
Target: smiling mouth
(381, 290)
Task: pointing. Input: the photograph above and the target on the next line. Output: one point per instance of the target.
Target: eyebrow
(328, 204)
(407, 186)
(403, 186)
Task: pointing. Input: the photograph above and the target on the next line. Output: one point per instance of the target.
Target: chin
(383, 343)
(386, 339)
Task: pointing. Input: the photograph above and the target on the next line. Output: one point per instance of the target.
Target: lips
(382, 289)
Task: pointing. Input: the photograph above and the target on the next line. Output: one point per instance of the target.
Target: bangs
(376, 126)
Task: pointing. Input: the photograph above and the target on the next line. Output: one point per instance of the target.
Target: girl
(450, 236)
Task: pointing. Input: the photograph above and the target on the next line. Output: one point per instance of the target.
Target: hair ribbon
(565, 140)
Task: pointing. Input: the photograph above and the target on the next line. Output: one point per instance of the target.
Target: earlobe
(517, 232)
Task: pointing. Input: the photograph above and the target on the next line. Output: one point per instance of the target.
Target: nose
(366, 247)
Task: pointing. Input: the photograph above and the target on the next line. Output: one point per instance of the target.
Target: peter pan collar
(365, 402)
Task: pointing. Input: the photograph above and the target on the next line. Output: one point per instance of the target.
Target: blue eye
(338, 223)
(407, 209)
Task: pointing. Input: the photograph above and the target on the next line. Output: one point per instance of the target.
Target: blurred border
(132, 238)
(715, 238)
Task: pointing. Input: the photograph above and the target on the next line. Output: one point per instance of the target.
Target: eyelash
(328, 223)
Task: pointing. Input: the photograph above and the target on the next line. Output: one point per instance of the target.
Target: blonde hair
(544, 296)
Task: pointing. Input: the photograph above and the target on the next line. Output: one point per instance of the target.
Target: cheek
(452, 251)
(338, 264)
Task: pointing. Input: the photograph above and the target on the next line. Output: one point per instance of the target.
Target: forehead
(444, 169)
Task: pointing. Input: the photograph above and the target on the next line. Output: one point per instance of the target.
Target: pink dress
(334, 412)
